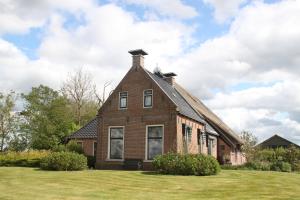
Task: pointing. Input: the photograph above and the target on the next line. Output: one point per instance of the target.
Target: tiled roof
(87, 131)
(209, 116)
(183, 107)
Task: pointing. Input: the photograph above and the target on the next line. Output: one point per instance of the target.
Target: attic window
(148, 98)
(123, 100)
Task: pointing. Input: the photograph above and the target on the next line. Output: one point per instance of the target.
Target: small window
(198, 136)
(116, 143)
(154, 141)
(95, 148)
(203, 138)
(123, 100)
(148, 97)
(189, 134)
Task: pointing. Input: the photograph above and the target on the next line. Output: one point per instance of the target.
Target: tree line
(48, 115)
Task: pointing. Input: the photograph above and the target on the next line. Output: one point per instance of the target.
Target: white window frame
(94, 147)
(108, 144)
(146, 140)
(119, 101)
(144, 99)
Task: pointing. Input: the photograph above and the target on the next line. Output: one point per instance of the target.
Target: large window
(186, 137)
(123, 100)
(148, 97)
(154, 141)
(116, 142)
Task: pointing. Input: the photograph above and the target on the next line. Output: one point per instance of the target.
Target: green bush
(22, 159)
(91, 161)
(59, 148)
(262, 166)
(72, 146)
(281, 166)
(64, 161)
(189, 164)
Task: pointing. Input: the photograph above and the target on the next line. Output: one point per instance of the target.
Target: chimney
(138, 57)
(169, 77)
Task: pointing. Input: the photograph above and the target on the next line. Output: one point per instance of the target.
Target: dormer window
(123, 100)
(148, 98)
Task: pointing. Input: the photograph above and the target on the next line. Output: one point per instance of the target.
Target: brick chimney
(169, 77)
(138, 57)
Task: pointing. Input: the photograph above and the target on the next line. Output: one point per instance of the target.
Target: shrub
(296, 166)
(64, 161)
(22, 159)
(72, 146)
(91, 161)
(263, 166)
(59, 148)
(199, 165)
(281, 166)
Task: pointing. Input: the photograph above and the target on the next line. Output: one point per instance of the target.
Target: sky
(240, 57)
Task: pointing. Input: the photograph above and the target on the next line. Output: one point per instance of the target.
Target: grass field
(29, 183)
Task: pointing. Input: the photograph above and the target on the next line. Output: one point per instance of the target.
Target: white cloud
(172, 8)
(260, 48)
(93, 46)
(18, 16)
(225, 10)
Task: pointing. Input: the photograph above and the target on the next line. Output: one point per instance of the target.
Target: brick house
(149, 114)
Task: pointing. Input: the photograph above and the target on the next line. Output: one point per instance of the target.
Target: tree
(48, 117)
(19, 142)
(250, 141)
(8, 119)
(79, 89)
(101, 98)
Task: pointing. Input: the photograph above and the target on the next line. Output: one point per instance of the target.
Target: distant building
(276, 141)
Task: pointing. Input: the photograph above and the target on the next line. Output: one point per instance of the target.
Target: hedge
(189, 164)
(22, 159)
(64, 161)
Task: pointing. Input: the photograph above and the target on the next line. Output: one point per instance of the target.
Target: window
(123, 100)
(203, 138)
(186, 137)
(148, 96)
(198, 136)
(189, 134)
(116, 142)
(154, 141)
(95, 148)
(210, 146)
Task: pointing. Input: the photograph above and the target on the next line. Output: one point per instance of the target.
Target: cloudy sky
(241, 57)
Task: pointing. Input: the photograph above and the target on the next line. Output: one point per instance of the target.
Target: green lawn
(28, 183)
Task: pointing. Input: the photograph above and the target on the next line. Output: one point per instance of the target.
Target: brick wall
(135, 118)
(193, 146)
(87, 145)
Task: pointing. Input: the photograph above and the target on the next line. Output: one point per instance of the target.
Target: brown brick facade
(184, 128)
(135, 118)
